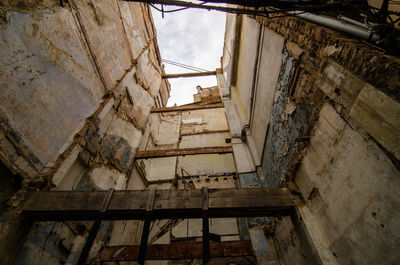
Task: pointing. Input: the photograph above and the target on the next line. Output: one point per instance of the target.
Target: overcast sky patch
(193, 37)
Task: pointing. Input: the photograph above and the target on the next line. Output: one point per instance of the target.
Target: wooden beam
(95, 229)
(177, 251)
(168, 204)
(190, 74)
(146, 227)
(205, 225)
(183, 151)
(204, 132)
(187, 108)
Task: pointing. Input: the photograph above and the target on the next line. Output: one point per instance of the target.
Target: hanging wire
(168, 11)
(275, 6)
(196, 69)
(185, 65)
(171, 11)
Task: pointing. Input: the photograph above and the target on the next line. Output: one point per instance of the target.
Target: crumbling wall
(203, 128)
(197, 130)
(332, 137)
(332, 133)
(78, 84)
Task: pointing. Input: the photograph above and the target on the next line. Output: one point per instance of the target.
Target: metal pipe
(338, 25)
(354, 22)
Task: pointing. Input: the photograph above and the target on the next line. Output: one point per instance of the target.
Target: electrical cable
(184, 65)
(168, 11)
(196, 69)
(174, 10)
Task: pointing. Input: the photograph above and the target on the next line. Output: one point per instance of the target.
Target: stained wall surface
(78, 82)
(197, 130)
(328, 122)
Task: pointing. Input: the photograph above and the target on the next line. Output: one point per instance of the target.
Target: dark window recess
(9, 184)
(228, 140)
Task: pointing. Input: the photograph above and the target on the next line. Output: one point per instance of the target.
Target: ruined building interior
(293, 158)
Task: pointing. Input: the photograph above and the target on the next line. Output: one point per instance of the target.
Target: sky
(193, 37)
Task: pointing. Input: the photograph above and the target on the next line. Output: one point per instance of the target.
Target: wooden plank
(204, 132)
(183, 151)
(146, 227)
(95, 229)
(206, 73)
(187, 108)
(131, 205)
(205, 225)
(177, 251)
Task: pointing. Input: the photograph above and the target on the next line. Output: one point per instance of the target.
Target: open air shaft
(293, 158)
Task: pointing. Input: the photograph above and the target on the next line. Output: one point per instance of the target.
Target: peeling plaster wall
(331, 138)
(46, 72)
(77, 86)
(288, 122)
(347, 171)
(346, 174)
(189, 129)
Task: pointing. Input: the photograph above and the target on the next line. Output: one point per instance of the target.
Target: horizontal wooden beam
(195, 177)
(204, 132)
(190, 74)
(177, 251)
(183, 151)
(187, 108)
(168, 204)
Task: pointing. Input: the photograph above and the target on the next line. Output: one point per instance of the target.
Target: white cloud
(193, 37)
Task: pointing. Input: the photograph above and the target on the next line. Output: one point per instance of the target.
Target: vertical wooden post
(95, 228)
(206, 235)
(146, 227)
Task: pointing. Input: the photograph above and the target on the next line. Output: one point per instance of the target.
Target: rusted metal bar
(95, 228)
(176, 251)
(189, 74)
(146, 227)
(206, 235)
(182, 152)
(186, 108)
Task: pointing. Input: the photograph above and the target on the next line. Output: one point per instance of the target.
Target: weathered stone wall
(332, 133)
(78, 82)
(365, 61)
(333, 138)
(187, 129)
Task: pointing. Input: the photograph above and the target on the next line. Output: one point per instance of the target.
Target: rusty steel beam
(187, 108)
(177, 251)
(189, 74)
(182, 152)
